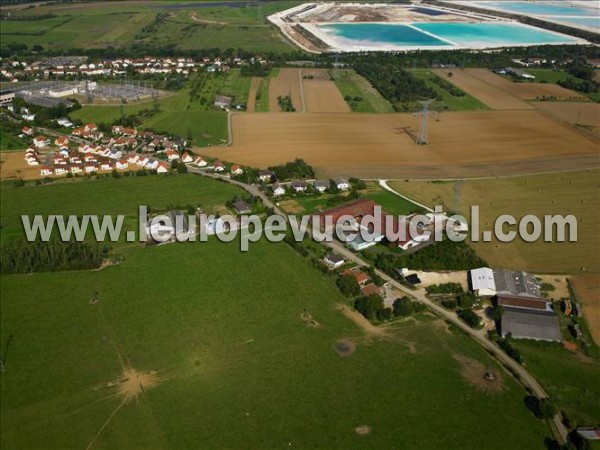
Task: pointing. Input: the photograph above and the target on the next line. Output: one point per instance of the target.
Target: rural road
(523, 376)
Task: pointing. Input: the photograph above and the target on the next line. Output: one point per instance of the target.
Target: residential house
(265, 176)
(200, 162)
(186, 158)
(298, 186)
(370, 289)
(122, 164)
(218, 166)
(236, 170)
(321, 185)
(277, 189)
(27, 131)
(41, 141)
(45, 171)
(152, 164)
(172, 155)
(133, 158)
(142, 161)
(162, 167)
(106, 165)
(61, 141)
(89, 168)
(242, 207)
(75, 168)
(334, 260)
(342, 184)
(360, 277)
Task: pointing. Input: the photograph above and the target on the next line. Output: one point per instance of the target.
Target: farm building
(488, 282)
(524, 323)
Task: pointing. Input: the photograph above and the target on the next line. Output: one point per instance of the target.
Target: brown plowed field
(524, 90)
(369, 146)
(493, 95)
(323, 96)
(586, 114)
(286, 83)
(254, 85)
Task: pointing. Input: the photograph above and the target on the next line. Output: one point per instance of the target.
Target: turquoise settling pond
(439, 34)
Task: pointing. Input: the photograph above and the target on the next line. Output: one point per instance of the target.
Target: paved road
(524, 377)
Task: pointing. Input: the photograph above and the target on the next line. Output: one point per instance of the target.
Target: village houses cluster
(81, 66)
(87, 150)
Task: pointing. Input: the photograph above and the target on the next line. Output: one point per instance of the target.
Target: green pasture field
(570, 379)
(235, 364)
(109, 196)
(180, 114)
(566, 193)
(352, 84)
(152, 23)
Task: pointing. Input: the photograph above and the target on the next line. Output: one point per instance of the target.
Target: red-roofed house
(122, 164)
(27, 130)
(41, 141)
(236, 170)
(61, 141)
(186, 158)
(218, 166)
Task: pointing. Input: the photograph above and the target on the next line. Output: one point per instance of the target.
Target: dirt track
(376, 146)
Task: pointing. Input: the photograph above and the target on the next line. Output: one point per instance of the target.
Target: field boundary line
(384, 185)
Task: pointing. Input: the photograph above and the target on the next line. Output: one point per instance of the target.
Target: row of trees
(298, 169)
(444, 255)
(21, 256)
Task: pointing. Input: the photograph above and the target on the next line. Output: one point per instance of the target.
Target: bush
(444, 288)
(369, 306)
(469, 317)
(403, 307)
(348, 285)
(449, 303)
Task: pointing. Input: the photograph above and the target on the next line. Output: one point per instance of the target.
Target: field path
(254, 86)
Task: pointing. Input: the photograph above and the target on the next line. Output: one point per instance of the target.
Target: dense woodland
(55, 255)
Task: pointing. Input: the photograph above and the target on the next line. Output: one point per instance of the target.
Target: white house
(89, 168)
(122, 164)
(32, 161)
(200, 162)
(162, 168)
(321, 185)
(342, 184)
(482, 281)
(334, 260)
(133, 158)
(298, 186)
(27, 130)
(41, 141)
(218, 166)
(265, 175)
(172, 155)
(186, 158)
(105, 166)
(142, 161)
(45, 171)
(75, 169)
(236, 170)
(152, 164)
(277, 190)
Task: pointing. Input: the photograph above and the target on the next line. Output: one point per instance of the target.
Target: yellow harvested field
(587, 289)
(563, 193)
(377, 146)
(13, 166)
(584, 114)
(320, 92)
(288, 82)
(492, 95)
(524, 90)
(323, 96)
